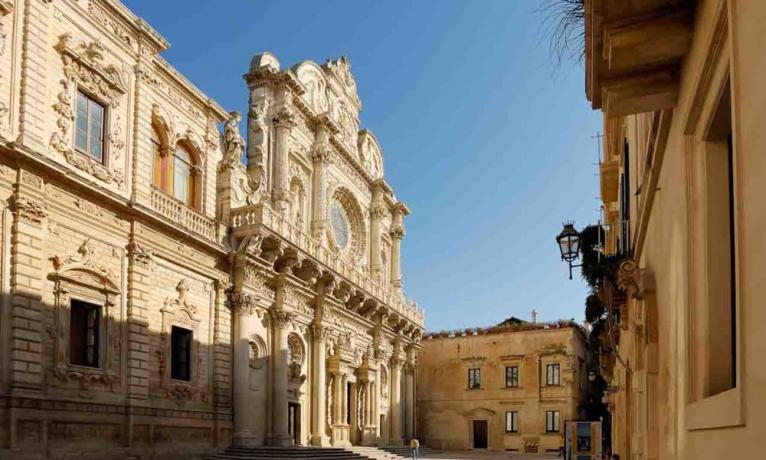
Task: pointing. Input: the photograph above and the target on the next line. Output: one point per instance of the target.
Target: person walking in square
(415, 445)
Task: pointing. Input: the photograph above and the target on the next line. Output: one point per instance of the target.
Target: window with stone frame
(553, 374)
(84, 333)
(180, 353)
(474, 378)
(90, 127)
(552, 421)
(511, 422)
(512, 376)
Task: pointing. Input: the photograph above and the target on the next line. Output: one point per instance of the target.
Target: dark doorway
(479, 434)
(294, 422)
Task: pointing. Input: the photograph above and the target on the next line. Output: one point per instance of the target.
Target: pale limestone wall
(661, 410)
(69, 233)
(276, 314)
(447, 407)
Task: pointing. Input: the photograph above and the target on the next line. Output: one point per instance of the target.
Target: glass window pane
(81, 139)
(95, 149)
(181, 174)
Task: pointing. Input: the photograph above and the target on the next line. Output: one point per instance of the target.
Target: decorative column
(284, 122)
(244, 424)
(320, 158)
(318, 414)
(396, 401)
(409, 401)
(397, 233)
(377, 212)
(279, 434)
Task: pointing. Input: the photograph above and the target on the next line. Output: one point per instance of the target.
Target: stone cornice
(139, 25)
(190, 89)
(99, 195)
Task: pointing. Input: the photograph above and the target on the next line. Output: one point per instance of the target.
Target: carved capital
(634, 281)
(397, 232)
(378, 211)
(241, 303)
(139, 255)
(27, 210)
(284, 119)
(281, 318)
(321, 154)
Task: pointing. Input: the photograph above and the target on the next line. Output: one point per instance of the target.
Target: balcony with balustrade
(248, 219)
(180, 214)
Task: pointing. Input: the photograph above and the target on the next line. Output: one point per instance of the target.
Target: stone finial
(264, 59)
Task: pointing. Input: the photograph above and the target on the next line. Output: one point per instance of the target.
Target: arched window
(175, 170)
(159, 153)
(183, 175)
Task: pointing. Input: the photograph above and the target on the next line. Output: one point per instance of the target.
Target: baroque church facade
(159, 296)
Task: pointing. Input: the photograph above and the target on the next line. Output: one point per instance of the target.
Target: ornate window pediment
(85, 70)
(82, 277)
(179, 311)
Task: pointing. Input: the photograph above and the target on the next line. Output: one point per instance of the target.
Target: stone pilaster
(396, 401)
(27, 233)
(284, 122)
(318, 386)
(140, 262)
(244, 424)
(321, 159)
(397, 233)
(319, 375)
(279, 433)
(409, 401)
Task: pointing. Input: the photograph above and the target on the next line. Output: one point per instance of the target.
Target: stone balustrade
(181, 214)
(260, 214)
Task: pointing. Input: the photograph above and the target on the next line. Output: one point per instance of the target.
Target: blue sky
(484, 138)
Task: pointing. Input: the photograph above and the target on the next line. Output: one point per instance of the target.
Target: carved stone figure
(235, 145)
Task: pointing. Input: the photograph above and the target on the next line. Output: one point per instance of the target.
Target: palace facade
(159, 297)
(681, 88)
(506, 388)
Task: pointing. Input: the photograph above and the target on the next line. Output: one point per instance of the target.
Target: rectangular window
(89, 127)
(552, 374)
(511, 422)
(551, 421)
(84, 333)
(625, 197)
(512, 376)
(720, 155)
(474, 378)
(180, 354)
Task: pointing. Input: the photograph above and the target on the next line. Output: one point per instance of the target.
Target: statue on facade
(234, 144)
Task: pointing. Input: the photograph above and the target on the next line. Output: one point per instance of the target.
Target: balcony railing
(183, 215)
(261, 214)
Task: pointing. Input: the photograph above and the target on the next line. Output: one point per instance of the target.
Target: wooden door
(479, 434)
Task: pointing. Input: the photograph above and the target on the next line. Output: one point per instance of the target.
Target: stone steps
(406, 451)
(375, 453)
(296, 453)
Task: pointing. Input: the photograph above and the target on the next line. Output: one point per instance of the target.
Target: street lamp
(569, 244)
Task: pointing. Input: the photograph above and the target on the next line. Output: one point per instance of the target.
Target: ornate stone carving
(139, 254)
(28, 210)
(285, 118)
(181, 302)
(84, 68)
(634, 281)
(242, 303)
(234, 143)
(280, 318)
